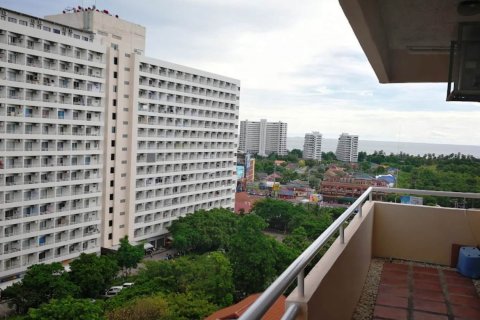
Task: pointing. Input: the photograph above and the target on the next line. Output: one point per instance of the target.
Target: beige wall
(422, 233)
(335, 284)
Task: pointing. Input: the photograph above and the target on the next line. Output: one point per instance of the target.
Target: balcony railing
(297, 269)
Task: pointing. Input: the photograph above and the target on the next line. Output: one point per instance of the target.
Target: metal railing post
(301, 283)
(370, 196)
(360, 211)
(342, 234)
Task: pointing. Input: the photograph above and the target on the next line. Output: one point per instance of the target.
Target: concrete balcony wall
(387, 230)
(334, 285)
(422, 233)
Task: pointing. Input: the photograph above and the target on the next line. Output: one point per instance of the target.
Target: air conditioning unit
(464, 71)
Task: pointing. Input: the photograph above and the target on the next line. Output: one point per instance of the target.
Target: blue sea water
(388, 147)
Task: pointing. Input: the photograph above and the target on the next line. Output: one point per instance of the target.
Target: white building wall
(312, 147)
(347, 148)
(52, 102)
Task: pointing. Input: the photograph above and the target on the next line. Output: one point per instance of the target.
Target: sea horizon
(413, 148)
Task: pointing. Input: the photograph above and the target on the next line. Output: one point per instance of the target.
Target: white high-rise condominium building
(347, 148)
(312, 146)
(263, 138)
(98, 141)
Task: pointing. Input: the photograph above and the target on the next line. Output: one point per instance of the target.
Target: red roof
(235, 311)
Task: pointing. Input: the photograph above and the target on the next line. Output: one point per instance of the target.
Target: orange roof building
(235, 311)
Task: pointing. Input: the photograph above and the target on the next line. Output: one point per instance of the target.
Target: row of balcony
(169, 196)
(38, 210)
(158, 228)
(181, 156)
(48, 145)
(164, 97)
(188, 123)
(182, 168)
(29, 128)
(43, 45)
(181, 134)
(43, 79)
(162, 145)
(21, 112)
(20, 94)
(171, 73)
(33, 194)
(30, 162)
(185, 88)
(188, 111)
(46, 255)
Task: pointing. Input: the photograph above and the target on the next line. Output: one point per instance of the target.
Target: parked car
(127, 284)
(113, 291)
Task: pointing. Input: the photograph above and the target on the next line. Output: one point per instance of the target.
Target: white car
(113, 291)
(127, 284)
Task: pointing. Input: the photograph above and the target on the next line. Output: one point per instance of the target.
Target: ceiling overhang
(406, 40)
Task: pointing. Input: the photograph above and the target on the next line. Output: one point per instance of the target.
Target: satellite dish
(469, 7)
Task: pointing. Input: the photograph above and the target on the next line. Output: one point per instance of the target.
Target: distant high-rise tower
(312, 147)
(262, 137)
(347, 148)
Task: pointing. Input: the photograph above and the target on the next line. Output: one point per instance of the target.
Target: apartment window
(115, 60)
(127, 69)
(124, 135)
(112, 183)
(124, 175)
(114, 116)
(126, 82)
(112, 156)
(124, 149)
(122, 213)
(125, 109)
(10, 19)
(110, 210)
(124, 161)
(113, 130)
(114, 102)
(127, 55)
(125, 122)
(109, 236)
(123, 188)
(112, 170)
(113, 143)
(122, 226)
(111, 196)
(114, 47)
(114, 88)
(115, 74)
(126, 96)
(110, 223)
(122, 201)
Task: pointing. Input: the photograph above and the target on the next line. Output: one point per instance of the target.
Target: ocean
(388, 147)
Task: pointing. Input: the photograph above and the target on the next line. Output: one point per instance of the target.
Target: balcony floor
(415, 291)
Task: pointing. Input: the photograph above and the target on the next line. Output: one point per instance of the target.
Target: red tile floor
(410, 292)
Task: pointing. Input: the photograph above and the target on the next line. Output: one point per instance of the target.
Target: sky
(298, 62)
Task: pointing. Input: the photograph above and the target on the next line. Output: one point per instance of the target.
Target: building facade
(263, 138)
(312, 146)
(98, 141)
(347, 148)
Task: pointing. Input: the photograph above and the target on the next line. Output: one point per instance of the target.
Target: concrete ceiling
(406, 40)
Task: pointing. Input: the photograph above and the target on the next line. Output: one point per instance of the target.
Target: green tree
(297, 240)
(128, 256)
(41, 283)
(68, 308)
(187, 306)
(143, 308)
(204, 231)
(93, 274)
(252, 256)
